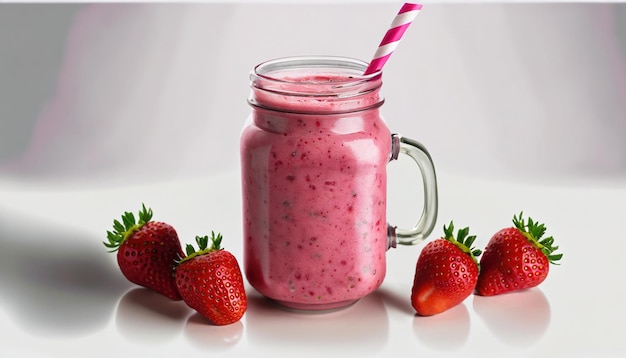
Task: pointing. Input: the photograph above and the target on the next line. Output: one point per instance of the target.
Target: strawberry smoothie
(314, 153)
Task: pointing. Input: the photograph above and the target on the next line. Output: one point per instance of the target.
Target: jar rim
(352, 66)
(302, 84)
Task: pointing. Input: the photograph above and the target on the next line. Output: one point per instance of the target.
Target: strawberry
(210, 281)
(516, 258)
(446, 272)
(146, 251)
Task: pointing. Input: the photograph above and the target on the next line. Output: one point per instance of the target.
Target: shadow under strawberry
(519, 319)
(146, 317)
(206, 335)
(446, 331)
(55, 280)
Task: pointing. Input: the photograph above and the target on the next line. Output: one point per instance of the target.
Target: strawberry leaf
(448, 231)
(470, 241)
(126, 228)
(216, 241)
(203, 247)
(129, 220)
(463, 240)
(144, 215)
(462, 234)
(555, 258)
(533, 231)
(202, 241)
(118, 226)
(189, 249)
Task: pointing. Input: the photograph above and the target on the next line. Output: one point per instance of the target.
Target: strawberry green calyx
(125, 229)
(533, 231)
(463, 240)
(203, 246)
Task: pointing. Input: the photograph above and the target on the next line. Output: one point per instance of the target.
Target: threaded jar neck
(314, 84)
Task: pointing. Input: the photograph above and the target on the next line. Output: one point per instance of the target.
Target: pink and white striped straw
(400, 23)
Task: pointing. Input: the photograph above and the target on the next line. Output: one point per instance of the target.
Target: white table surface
(62, 294)
(103, 107)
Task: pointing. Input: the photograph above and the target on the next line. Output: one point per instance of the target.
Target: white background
(103, 106)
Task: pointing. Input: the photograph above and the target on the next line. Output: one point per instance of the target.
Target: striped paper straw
(400, 23)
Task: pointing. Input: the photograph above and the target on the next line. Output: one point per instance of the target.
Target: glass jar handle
(426, 222)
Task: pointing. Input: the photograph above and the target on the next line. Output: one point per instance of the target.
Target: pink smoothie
(314, 196)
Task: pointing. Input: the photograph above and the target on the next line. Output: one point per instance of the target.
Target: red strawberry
(146, 251)
(210, 281)
(516, 258)
(446, 272)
